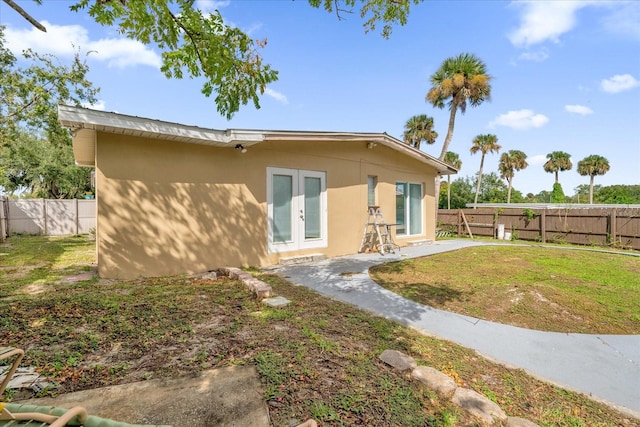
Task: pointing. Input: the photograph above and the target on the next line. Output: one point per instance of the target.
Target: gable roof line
(80, 118)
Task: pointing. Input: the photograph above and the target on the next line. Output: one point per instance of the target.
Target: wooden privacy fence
(50, 217)
(618, 227)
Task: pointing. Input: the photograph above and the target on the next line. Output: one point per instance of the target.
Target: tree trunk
(479, 180)
(556, 177)
(445, 147)
(591, 190)
(509, 191)
(447, 139)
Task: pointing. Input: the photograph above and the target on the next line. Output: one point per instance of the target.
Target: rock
(276, 302)
(275, 404)
(211, 275)
(258, 287)
(478, 405)
(441, 383)
(232, 272)
(398, 360)
(520, 422)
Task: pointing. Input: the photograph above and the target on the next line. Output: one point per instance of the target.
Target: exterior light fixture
(241, 148)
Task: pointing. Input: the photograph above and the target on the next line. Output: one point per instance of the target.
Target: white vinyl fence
(50, 217)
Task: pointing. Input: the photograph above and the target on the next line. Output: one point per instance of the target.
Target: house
(177, 199)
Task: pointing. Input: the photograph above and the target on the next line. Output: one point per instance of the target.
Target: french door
(296, 209)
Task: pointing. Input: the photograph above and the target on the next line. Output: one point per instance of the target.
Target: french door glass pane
(415, 209)
(312, 188)
(282, 196)
(401, 190)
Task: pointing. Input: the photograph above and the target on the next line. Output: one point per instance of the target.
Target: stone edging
(260, 289)
(469, 400)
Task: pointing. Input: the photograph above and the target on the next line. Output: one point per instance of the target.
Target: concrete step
(301, 259)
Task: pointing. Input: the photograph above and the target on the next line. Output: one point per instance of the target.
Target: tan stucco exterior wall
(169, 208)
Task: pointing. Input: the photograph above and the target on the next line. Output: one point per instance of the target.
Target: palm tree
(459, 81)
(593, 165)
(486, 144)
(510, 162)
(558, 161)
(453, 160)
(419, 128)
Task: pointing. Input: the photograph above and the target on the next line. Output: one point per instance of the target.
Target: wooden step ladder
(377, 233)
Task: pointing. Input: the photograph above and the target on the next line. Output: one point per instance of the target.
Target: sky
(565, 75)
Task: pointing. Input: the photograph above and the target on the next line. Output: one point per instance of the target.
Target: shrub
(557, 195)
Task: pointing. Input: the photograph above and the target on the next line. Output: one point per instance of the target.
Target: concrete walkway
(605, 367)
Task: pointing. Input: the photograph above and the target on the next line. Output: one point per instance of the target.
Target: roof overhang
(84, 124)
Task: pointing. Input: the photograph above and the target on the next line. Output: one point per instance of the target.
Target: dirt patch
(34, 289)
(75, 278)
(15, 272)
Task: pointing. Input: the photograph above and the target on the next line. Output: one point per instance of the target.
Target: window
(409, 216)
(372, 182)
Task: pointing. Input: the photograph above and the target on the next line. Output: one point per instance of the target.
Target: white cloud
(542, 21)
(276, 95)
(619, 83)
(578, 109)
(535, 56)
(121, 53)
(520, 120)
(538, 159)
(209, 6)
(250, 31)
(66, 39)
(99, 105)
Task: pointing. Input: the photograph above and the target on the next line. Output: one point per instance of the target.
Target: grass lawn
(316, 357)
(543, 288)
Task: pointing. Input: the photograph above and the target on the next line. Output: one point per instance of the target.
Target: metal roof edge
(82, 118)
(441, 167)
